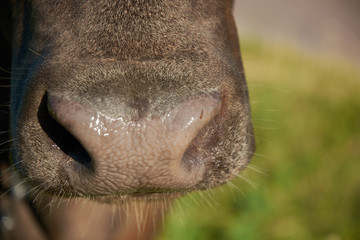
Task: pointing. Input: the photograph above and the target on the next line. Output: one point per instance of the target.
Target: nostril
(61, 138)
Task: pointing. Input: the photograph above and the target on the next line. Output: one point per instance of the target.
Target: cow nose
(148, 154)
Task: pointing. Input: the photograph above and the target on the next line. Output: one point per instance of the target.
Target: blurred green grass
(304, 181)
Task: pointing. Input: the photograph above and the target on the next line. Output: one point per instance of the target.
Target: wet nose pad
(147, 153)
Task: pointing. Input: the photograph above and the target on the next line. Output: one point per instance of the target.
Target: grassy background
(304, 182)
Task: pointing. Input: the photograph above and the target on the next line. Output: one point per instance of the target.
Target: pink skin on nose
(131, 155)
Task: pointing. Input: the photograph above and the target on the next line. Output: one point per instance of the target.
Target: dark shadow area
(61, 137)
(5, 75)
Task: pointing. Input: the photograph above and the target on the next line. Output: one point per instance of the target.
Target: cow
(116, 108)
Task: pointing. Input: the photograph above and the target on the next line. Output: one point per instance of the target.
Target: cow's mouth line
(116, 198)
